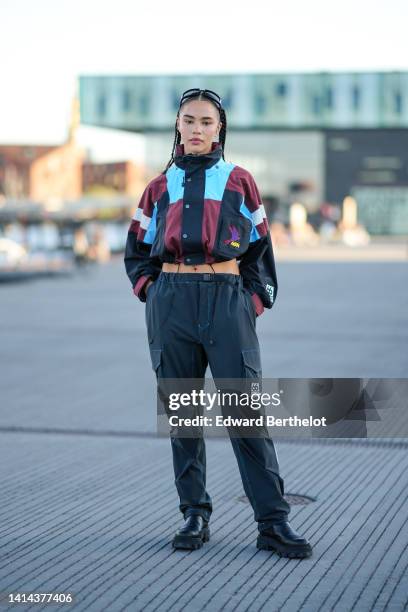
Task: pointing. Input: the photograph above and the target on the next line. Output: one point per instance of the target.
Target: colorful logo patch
(234, 239)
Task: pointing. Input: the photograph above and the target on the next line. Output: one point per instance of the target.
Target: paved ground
(94, 516)
(89, 505)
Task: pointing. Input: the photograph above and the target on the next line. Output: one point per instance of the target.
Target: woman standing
(194, 222)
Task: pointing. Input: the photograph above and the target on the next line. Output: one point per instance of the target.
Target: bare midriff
(225, 267)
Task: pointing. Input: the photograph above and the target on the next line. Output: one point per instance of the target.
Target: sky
(46, 44)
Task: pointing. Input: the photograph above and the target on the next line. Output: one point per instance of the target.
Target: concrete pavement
(88, 500)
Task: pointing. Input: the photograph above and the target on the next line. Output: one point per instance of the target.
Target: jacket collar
(184, 160)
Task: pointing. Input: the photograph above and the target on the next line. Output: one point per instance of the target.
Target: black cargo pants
(196, 319)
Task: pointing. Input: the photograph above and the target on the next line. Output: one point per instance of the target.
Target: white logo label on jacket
(271, 290)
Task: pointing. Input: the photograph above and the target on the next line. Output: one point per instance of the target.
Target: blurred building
(123, 177)
(49, 173)
(40, 172)
(312, 138)
(43, 173)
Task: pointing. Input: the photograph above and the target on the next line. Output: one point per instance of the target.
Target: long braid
(177, 135)
(177, 140)
(223, 131)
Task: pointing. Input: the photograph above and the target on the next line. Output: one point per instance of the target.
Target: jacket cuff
(139, 288)
(259, 307)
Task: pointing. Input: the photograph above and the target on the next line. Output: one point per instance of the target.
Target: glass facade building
(336, 134)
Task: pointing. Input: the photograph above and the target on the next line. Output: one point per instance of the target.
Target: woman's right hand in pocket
(150, 282)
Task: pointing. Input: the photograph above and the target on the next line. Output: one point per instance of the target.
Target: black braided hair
(177, 135)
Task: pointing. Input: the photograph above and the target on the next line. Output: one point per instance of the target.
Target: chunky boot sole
(189, 542)
(265, 542)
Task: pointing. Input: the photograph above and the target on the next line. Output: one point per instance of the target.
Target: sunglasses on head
(208, 93)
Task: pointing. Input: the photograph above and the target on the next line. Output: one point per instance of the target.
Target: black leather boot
(285, 541)
(193, 534)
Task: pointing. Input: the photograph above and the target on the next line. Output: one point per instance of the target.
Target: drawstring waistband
(193, 277)
(178, 268)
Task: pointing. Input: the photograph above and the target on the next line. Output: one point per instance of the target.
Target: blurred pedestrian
(80, 247)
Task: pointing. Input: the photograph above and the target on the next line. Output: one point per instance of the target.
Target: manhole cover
(292, 499)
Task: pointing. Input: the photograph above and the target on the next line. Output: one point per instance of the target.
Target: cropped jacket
(202, 210)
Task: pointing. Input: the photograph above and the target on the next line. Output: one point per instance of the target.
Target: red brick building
(41, 172)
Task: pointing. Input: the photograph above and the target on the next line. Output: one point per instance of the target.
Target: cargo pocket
(251, 363)
(162, 390)
(156, 357)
